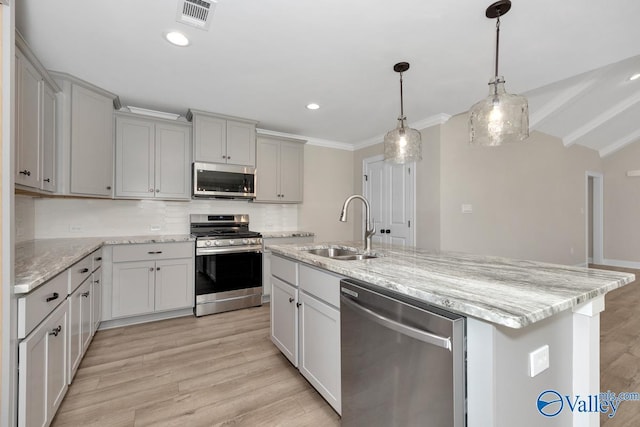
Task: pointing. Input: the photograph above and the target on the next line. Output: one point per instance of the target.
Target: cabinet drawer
(323, 285)
(285, 269)
(79, 272)
(152, 251)
(96, 260)
(37, 305)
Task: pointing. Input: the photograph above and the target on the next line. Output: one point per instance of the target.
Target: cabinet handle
(96, 281)
(151, 190)
(25, 172)
(224, 157)
(228, 157)
(85, 294)
(53, 297)
(298, 304)
(108, 187)
(154, 252)
(290, 299)
(47, 180)
(157, 268)
(84, 270)
(56, 331)
(151, 269)
(157, 190)
(98, 258)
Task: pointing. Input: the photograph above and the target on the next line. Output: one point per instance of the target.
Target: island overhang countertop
(509, 292)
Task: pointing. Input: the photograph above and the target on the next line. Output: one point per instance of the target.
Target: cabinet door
(48, 139)
(42, 382)
(291, 171)
(210, 139)
(132, 288)
(172, 161)
(284, 318)
(91, 142)
(79, 325)
(241, 143)
(174, 284)
(28, 123)
(268, 176)
(74, 333)
(86, 324)
(57, 363)
(96, 300)
(320, 347)
(134, 158)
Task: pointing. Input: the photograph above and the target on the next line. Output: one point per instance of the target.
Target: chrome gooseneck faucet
(369, 228)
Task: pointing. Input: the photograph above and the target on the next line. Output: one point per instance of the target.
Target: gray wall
(622, 205)
(528, 199)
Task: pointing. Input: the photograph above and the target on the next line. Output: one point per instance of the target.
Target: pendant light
(501, 117)
(403, 144)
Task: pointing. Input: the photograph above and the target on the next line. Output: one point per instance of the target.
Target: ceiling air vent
(196, 13)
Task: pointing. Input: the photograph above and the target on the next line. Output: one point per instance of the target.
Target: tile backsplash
(25, 218)
(55, 217)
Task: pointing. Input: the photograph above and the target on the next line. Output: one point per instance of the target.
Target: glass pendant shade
(403, 144)
(499, 118)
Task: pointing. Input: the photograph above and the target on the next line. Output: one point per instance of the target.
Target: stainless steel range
(228, 263)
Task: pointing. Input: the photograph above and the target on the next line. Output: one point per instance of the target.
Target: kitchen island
(512, 308)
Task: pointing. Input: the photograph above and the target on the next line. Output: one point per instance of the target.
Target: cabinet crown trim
(128, 114)
(280, 138)
(192, 112)
(59, 75)
(24, 48)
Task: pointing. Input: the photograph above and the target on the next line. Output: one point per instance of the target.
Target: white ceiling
(267, 59)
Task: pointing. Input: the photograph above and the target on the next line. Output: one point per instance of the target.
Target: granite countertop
(508, 292)
(276, 234)
(37, 261)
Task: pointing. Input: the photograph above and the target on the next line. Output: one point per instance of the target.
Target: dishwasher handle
(410, 331)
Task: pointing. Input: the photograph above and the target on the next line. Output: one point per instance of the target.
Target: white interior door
(390, 191)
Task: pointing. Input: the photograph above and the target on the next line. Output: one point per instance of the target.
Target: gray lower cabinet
(80, 325)
(151, 278)
(42, 382)
(305, 323)
(266, 258)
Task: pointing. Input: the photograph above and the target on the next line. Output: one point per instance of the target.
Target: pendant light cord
(497, 45)
(401, 102)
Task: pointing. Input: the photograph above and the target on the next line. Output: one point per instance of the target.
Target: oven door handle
(228, 250)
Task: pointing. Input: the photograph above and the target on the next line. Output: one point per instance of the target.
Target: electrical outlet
(155, 228)
(74, 228)
(538, 361)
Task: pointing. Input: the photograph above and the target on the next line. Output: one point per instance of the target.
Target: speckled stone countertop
(508, 292)
(40, 260)
(276, 234)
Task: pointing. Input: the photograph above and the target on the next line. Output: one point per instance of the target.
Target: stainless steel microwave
(213, 180)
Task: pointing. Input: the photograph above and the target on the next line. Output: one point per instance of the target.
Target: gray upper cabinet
(35, 122)
(153, 158)
(280, 169)
(223, 139)
(85, 135)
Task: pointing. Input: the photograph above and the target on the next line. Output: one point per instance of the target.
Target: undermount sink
(344, 254)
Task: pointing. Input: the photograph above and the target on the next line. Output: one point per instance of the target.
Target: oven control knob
(217, 242)
(245, 242)
(207, 242)
(231, 243)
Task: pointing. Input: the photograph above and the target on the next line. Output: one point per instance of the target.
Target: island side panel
(500, 389)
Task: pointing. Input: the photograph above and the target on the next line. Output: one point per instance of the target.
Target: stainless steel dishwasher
(403, 361)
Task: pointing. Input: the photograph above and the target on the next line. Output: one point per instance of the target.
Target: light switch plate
(538, 361)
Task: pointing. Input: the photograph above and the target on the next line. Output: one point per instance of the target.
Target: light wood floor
(620, 349)
(219, 370)
(223, 370)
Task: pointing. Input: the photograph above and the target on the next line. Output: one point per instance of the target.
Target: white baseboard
(621, 263)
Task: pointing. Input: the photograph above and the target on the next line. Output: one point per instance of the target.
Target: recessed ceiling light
(312, 106)
(636, 76)
(177, 38)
